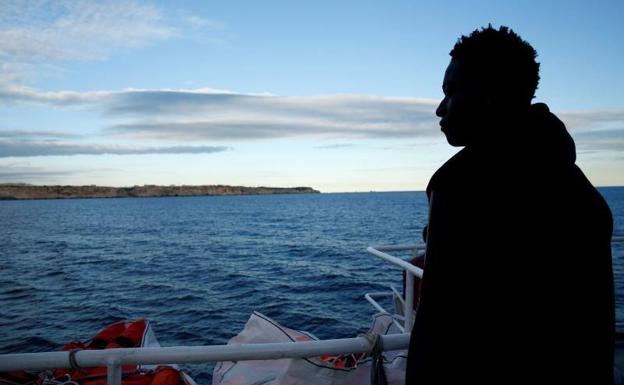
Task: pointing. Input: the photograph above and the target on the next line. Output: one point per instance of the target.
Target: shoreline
(19, 191)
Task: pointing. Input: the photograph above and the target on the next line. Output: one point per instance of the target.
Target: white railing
(370, 297)
(113, 359)
(411, 271)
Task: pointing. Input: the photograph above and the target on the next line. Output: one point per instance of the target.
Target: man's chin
(454, 140)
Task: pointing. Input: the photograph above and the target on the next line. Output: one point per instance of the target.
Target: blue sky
(337, 95)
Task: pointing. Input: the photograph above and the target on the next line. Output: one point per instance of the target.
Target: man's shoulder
(452, 170)
(582, 197)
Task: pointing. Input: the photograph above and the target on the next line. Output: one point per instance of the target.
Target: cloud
(589, 120)
(200, 23)
(76, 30)
(220, 115)
(113, 100)
(336, 146)
(600, 141)
(213, 114)
(596, 131)
(29, 134)
(175, 115)
(10, 94)
(38, 35)
(30, 175)
(20, 173)
(21, 148)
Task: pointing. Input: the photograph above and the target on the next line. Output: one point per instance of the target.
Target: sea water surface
(197, 267)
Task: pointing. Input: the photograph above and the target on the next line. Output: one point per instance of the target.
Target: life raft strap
(73, 363)
(377, 373)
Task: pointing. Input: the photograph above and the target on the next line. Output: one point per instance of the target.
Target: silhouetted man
(518, 283)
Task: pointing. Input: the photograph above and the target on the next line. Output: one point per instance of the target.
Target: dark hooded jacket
(518, 282)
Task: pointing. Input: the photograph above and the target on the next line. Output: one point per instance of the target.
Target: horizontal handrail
(212, 353)
(411, 271)
(197, 354)
(379, 252)
(378, 307)
(409, 246)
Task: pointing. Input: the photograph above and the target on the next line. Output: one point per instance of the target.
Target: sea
(196, 267)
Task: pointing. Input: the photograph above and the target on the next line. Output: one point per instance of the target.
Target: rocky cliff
(25, 191)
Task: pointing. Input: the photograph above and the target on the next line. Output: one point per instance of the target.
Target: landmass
(12, 191)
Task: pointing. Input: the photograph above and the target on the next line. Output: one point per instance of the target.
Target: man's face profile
(462, 110)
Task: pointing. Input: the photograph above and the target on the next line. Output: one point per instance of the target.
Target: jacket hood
(536, 143)
(538, 138)
(545, 137)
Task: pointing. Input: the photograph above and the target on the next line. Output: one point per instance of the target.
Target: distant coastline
(21, 191)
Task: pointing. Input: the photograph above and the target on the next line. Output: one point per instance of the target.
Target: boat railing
(411, 272)
(113, 359)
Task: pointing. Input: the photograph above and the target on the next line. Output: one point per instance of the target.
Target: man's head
(491, 79)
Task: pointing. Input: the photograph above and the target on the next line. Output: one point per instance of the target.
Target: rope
(378, 374)
(73, 363)
(48, 379)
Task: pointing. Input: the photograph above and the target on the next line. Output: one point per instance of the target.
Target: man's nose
(441, 110)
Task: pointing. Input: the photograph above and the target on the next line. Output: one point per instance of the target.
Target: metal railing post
(113, 371)
(409, 295)
(411, 271)
(409, 301)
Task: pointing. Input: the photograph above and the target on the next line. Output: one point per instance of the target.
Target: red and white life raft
(122, 334)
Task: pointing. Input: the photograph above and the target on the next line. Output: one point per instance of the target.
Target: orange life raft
(122, 334)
